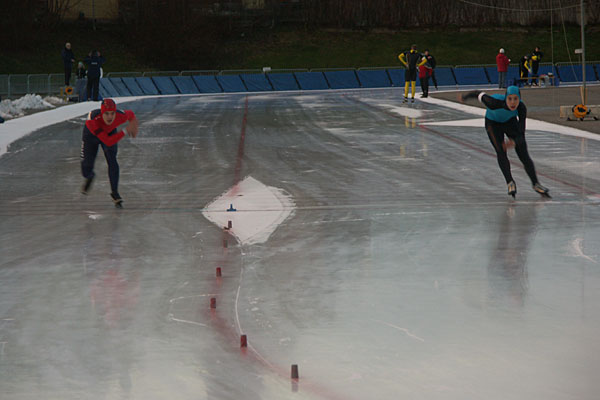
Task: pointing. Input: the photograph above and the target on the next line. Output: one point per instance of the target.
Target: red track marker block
(243, 341)
(225, 243)
(294, 371)
(229, 224)
(213, 302)
(218, 272)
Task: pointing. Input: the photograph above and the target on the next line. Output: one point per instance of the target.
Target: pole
(584, 94)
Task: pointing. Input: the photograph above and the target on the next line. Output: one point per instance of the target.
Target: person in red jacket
(424, 74)
(502, 61)
(102, 129)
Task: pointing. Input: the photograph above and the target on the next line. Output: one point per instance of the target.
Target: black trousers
(433, 78)
(89, 151)
(93, 85)
(510, 128)
(425, 86)
(67, 75)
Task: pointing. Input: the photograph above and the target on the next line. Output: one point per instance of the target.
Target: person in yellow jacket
(412, 60)
(525, 69)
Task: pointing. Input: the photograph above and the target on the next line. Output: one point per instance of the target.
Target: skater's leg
(406, 85)
(433, 79)
(496, 136)
(414, 88)
(521, 149)
(89, 85)
(113, 166)
(89, 150)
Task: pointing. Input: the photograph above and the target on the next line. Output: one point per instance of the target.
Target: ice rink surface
(394, 267)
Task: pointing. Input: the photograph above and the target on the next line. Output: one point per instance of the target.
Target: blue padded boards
(283, 81)
(397, 76)
(256, 82)
(444, 76)
(207, 84)
(374, 78)
(470, 76)
(107, 89)
(512, 74)
(120, 86)
(146, 85)
(342, 79)
(492, 73)
(573, 74)
(231, 83)
(185, 84)
(544, 69)
(132, 85)
(165, 85)
(311, 80)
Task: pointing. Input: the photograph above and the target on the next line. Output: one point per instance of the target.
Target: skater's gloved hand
(132, 128)
(470, 95)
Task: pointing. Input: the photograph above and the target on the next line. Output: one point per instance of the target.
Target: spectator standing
(412, 60)
(432, 63)
(424, 74)
(502, 62)
(80, 86)
(524, 69)
(94, 61)
(536, 58)
(68, 59)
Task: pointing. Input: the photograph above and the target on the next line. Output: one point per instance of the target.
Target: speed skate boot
(541, 190)
(87, 185)
(117, 200)
(512, 189)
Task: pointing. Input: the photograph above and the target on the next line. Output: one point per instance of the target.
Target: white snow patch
(403, 111)
(532, 124)
(260, 210)
(10, 109)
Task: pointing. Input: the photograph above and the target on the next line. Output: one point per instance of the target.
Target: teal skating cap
(513, 90)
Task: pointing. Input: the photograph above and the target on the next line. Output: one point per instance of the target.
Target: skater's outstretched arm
(487, 100)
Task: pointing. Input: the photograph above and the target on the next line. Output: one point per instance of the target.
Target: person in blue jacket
(94, 62)
(506, 115)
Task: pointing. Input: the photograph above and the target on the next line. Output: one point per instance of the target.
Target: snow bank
(17, 108)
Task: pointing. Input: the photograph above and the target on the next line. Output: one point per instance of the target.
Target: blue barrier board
(120, 86)
(132, 85)
(207, 84)
(373, 78)
(342, 79)
(185, 84)
(256, 82)
(311, 80)
(147, 85)
(283, 81)
(165, 85)
(444, 76)
(109, 89)
(470, 76)
(231, 83)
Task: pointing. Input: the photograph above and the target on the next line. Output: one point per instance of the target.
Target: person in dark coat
(536, 58)
(68, 59)
(432, 63)
(94, 62)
